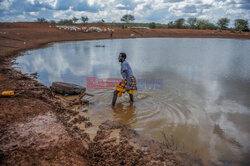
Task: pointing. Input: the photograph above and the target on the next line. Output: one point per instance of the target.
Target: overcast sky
(161, 11)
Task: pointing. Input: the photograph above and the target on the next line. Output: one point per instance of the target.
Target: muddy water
(198, 90)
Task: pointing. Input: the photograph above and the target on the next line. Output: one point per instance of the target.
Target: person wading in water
(128, 83)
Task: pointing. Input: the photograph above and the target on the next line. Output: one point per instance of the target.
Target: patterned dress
(129, 82)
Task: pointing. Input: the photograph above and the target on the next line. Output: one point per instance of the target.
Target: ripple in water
(204, 100)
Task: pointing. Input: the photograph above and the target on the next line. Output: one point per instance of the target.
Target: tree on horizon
(179, 23)
(223, 23)
(84, 19)
(241, 25)
(127, 18)
(192, 21)
(74, 19)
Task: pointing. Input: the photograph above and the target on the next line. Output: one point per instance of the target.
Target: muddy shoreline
(36, 128)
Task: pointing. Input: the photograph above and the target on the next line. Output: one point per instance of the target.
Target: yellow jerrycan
(7, 93)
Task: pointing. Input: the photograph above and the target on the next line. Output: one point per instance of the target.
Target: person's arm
(127, 79)
(126, 74)
(125, 71)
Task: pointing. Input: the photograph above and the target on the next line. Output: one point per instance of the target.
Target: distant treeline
(222, 24)
(240, 25)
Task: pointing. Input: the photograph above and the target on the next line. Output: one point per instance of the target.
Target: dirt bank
(37, 129)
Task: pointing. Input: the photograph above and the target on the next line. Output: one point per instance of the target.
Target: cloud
(161, 11)
(126, 5)
(190, 9)
(34, 13)
(76, 5)
(243, 4)
(173, 1)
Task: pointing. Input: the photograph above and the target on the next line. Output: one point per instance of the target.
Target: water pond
(197, 90)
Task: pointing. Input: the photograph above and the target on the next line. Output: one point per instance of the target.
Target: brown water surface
(200, 95)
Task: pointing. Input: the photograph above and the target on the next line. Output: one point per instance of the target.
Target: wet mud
(39, 128)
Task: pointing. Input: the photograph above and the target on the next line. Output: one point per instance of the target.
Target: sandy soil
(37, 129)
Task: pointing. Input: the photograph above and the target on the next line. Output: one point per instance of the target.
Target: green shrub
(152, 25)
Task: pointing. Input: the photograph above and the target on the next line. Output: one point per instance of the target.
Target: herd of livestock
(84, 29)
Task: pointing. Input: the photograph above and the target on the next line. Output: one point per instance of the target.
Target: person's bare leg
(131, 97)
(114, 98)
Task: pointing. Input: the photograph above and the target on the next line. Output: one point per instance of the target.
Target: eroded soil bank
(36, 128)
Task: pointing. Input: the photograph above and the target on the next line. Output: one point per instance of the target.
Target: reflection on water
(205, 97)
(125, 113)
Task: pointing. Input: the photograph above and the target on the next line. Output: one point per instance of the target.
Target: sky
(160, 11)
